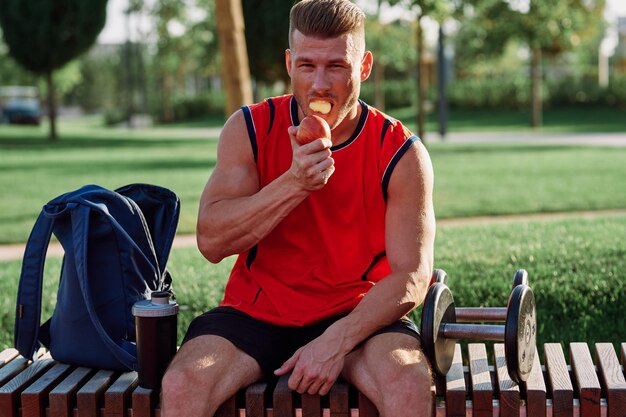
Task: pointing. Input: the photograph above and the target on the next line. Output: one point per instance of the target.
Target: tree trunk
(421, 82)
(536, 102)
(52, 111)
(232, 44)
(441, 83)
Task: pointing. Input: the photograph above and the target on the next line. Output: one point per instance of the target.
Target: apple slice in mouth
(320, 106)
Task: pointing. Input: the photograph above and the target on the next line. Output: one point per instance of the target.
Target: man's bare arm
(235, 213)
(410, 234)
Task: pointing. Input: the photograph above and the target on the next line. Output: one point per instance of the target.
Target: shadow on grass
(114, 166)
(496, 148)
(38, 142)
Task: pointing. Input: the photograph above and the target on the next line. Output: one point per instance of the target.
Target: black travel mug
(155, 326)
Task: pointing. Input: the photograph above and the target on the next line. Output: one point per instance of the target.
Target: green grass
(33, 171)
(470, 180)
(576, 268)
(562, 120)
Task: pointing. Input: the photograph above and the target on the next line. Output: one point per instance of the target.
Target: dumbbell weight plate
(520, 337)
(439, 275)
(520, 278)
(438, 309)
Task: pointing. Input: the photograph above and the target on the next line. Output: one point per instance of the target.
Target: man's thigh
(384, 360)
(213, 358)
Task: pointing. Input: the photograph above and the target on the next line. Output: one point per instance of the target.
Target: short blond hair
(327, 19)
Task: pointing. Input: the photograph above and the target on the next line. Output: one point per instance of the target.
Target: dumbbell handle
(472, 331)
(480, 314)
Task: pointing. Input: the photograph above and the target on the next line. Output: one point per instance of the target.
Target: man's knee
(395, 374)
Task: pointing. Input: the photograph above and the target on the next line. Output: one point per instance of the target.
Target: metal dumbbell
(443, 324)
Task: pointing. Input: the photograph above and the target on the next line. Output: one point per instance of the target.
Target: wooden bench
(584, 385)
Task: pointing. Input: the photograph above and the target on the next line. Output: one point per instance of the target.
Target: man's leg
(394, 374)
(205, 372)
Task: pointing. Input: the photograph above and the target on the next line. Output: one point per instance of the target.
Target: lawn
(470, 179)
(576, 268)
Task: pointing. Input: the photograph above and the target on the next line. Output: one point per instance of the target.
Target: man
(335, 238)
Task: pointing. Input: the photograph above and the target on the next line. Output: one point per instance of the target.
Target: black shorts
(268, 344)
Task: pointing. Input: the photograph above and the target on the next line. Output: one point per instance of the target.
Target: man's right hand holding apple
(312, 164)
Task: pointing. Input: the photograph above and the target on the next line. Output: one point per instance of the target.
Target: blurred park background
(513, 98)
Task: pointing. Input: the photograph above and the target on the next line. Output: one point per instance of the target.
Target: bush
(501, 92)
(114, 116)
(398, 93)
(194, 107)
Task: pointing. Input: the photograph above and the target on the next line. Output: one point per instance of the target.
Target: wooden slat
(10, 392)
(456, 391)
(117, 397)
(535, 388)
(143, 400)
(589, 391)
(11, 369)
(35, 397)
(612, 379)
(562, 390)
(338, 394)
(282, 398)
(509, 390)
(366, 407)
(90, 397)
(482, 390)
(62, 396)
(8, 355)
(255, 399)
(311, 405)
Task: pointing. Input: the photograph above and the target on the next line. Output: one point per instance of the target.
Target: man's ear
(288, 61)
(366, 65)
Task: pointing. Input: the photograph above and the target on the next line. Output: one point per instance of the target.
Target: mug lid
(159, 306)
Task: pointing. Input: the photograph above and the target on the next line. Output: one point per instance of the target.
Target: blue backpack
(116, 247)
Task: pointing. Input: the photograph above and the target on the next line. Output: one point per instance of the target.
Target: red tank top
(330, 250)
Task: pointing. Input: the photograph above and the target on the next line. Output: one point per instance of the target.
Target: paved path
(617, 139)
(16, 251)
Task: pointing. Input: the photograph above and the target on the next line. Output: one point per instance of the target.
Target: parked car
(22, 111)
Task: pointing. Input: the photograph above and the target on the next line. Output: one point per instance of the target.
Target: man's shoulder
(389, 124)
(275, 101)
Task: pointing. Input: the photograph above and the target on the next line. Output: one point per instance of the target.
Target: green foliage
(504, 92)
(43, 35)
(556, 26)
(266, 31)
(10, 72)
(392, 44)
(512, 91)
(398, 93)
(190, 108)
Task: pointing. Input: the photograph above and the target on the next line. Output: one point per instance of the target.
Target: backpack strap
(80, 232)
(28, 306)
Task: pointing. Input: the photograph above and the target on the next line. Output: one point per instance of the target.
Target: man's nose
(321, 81)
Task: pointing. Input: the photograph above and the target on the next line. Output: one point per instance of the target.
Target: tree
(267, 30)
(546, 28)
(236, 73)
(394, 52)
(44, 35)
(424, 8)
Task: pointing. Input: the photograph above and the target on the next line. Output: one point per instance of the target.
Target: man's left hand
(315, 366)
